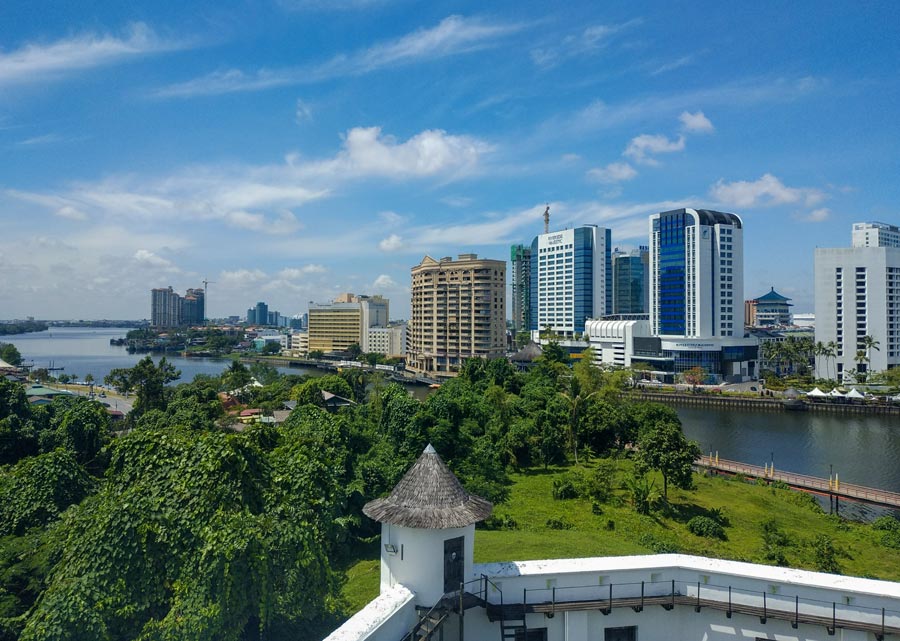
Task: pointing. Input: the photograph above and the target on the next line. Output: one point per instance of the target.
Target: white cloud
(259, 198)
(149, 259)
(641, 148)
(696, 123)
(37, 62)
(613, 173)
(384, 282)
(817, 215)
(767, 191)
(241, 278)
(391, 243)
(295, 273)
(452, 36)
(366, 152)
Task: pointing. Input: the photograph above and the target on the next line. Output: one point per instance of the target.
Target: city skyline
(294, 150)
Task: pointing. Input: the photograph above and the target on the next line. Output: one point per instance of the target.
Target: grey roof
(429, 496)
(528, 353)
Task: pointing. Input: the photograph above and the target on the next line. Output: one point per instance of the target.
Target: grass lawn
(618, 530)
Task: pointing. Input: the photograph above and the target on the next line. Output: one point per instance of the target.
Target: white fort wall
(822, 595)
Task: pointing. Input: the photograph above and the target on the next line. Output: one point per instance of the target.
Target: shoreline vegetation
(198, 515)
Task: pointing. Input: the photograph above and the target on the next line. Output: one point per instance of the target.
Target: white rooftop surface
(371, 617)
(510, 569)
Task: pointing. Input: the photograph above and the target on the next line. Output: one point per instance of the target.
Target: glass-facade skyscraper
(520, 259)
(696, 274)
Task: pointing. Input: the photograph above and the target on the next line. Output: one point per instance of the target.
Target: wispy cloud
(587, 41)
(672, 65)
(601, 115)
(38, 62)
(260, 198)
(329, 5)
(767, 191)
(454, 35)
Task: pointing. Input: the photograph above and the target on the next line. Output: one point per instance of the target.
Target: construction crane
(205, 286)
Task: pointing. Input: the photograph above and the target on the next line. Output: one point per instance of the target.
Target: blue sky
(291, 150)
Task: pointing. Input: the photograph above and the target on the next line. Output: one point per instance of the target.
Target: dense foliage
(182, 527)
(22, 327)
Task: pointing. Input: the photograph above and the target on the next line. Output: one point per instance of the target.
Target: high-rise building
(696, 274)
(168, 309)
(875, 235)
(193, 307)
(458, 312)
(335, 326)
(251, 316)
(520, 259)
(857, 294)
(696, 314)
(630, 281)
(262, 314)
(571, 279)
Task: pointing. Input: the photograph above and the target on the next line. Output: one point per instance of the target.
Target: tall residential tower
(458, 312)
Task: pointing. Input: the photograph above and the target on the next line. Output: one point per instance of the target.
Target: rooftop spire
(547, 220)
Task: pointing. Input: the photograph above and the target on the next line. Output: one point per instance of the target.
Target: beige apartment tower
(458, 312)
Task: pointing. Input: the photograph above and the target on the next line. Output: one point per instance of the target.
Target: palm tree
(576, 400)
(870, 343)
(831, 352)
(861, 357)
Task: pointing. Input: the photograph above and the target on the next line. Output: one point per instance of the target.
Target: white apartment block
(390, 341)
(571, 279)
(299, 343)
(857, 294)
(875, 235)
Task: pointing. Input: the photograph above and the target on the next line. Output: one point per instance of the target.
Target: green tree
(271, 348)
(695, 376)
(310, 392)
(825, 555)
(354, 351)
(236, 377)
(10, 354)
(147, 380)
(663, 447)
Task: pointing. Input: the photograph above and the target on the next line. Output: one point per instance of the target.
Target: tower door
(454, 566)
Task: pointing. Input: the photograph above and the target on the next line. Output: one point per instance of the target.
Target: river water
(86, 350)
(862, 449)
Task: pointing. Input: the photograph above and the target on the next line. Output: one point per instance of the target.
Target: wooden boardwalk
(823, 486)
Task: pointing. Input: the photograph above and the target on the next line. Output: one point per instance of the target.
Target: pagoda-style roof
(772, 297)
(429, 496)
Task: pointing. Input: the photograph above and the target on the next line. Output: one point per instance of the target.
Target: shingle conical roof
(429, 496)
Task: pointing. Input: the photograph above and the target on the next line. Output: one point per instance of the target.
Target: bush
(658, 545)
(610, 525)
(705, 526)
(780, 485)
(886, 524)
(596, 508)
(562, 523)
(501, 522)
(825, 555)
(565, 487)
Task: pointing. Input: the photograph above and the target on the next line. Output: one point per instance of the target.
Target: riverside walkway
(826, 487)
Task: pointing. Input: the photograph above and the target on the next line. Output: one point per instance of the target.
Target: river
(86, 350)
(862, 449)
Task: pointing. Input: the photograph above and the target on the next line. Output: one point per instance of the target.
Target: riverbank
(762, 403)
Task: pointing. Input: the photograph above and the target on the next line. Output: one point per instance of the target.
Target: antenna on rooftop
(547, 219)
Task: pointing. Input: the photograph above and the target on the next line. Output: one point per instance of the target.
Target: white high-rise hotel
(857, 294)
